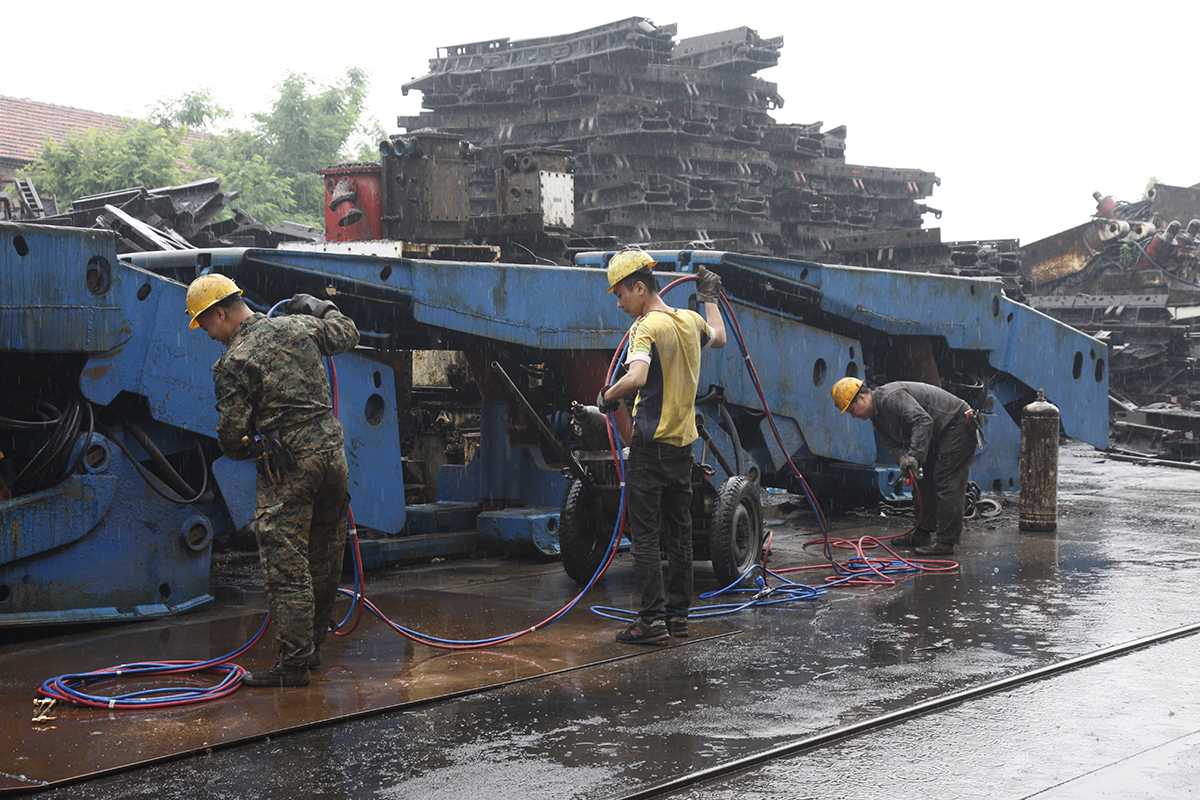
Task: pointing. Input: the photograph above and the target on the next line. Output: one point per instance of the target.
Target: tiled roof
(25, 124)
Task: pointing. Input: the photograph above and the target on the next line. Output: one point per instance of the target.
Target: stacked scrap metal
(1131, 278)
(673, 141)
(173, 218)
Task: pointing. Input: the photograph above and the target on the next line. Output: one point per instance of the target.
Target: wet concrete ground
(616, 720)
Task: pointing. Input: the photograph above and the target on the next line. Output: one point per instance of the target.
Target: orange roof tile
(25, 124)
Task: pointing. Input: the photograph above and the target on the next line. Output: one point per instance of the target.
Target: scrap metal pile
(1131, 278)
(166, 218)
(672, 143)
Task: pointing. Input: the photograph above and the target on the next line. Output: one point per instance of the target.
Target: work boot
(677, 627)
(278, 676)
(314, 660)
(641, 632)
(910, 539)
(936, 549)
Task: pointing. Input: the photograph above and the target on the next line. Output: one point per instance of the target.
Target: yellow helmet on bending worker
(205, 292)
(844, 392)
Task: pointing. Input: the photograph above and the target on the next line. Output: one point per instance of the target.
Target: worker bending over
(927, 431)
(270, 382)
(663, 370)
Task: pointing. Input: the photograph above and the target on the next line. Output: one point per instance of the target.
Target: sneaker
(677, 627)
(911, 539)
(642, 633)
(278, 676)
(936, 549)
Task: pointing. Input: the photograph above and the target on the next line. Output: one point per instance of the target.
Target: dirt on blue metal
(568, 712)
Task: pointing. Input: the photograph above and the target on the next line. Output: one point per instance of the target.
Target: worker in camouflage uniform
(271, 384)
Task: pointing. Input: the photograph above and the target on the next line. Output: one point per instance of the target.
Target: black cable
(147, 475)
(167, 475)
(46, 467)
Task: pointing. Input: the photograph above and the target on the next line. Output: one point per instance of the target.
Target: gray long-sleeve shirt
(910, 416)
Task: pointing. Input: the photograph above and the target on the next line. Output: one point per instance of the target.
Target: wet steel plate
(372, 670)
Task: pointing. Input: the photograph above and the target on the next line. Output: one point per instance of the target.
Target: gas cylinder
(1039, 466)
(1106, 206)
(1159, 249)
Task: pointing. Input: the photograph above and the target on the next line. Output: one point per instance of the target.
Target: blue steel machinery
(107, 397)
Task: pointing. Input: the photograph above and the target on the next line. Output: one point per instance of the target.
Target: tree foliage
(306, 129)
(195, 110)
(94, 162)
(243, 163)
(273, 166)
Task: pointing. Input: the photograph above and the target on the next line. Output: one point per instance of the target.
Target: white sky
(1023, 109)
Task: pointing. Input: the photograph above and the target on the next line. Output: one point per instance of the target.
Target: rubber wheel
(736, 541)
(583, 533)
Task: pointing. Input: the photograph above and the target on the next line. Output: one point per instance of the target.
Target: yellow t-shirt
(670, 342)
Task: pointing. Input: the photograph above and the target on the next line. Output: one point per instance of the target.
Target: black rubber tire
(736, 540)
(583, 534)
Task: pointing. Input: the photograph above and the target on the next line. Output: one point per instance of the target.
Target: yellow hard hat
(625, 263)
(206, 291)
(844, 392)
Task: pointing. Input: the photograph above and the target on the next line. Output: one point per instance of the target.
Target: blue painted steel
(102, 547)
(500, 302)
(236, 481)
(64, 290)
(50, 308)
(500, 471)
(796, 362)
(160, 359)
(370, 418)
(516, 529)
(129, 321)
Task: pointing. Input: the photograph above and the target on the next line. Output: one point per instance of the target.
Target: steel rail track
(904, 714)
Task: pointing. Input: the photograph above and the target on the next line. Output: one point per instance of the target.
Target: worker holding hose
(662, 371)
(930, 433)
(275, 406)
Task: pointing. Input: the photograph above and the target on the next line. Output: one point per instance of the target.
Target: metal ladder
(31, 203)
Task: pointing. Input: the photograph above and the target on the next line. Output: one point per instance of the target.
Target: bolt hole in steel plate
(196, 533)
(99, 276)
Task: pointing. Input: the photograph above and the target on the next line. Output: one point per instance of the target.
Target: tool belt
(277, 457)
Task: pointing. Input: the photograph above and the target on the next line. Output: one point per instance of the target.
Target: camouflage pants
(300, 524)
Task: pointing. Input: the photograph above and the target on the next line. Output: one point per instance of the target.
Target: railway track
(811, 743)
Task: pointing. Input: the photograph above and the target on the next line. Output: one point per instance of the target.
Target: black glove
(708, 286)
(908, 463)
(307, 304)
(606, 405)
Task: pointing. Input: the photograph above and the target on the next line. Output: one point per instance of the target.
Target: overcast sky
(1023, 109)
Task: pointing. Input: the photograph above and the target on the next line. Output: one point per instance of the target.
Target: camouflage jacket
(272, 376)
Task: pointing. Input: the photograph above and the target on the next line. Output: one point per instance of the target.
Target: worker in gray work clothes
(931, 434)
(663, 371)
(275, 406)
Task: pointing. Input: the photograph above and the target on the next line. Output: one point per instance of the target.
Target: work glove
(908, 463)
(307, 304)
(606, 406)
(708, 286)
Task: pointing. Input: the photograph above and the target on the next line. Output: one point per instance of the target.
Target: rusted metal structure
(1131, 278)
(673, 141)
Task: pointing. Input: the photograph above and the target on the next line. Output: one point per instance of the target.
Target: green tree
(273, 166)
(242, 160)
(195, 110)
(93, 162)
(306, 131)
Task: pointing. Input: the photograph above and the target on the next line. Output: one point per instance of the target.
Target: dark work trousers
(944, 487)
(300, 524)
(658, 496)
